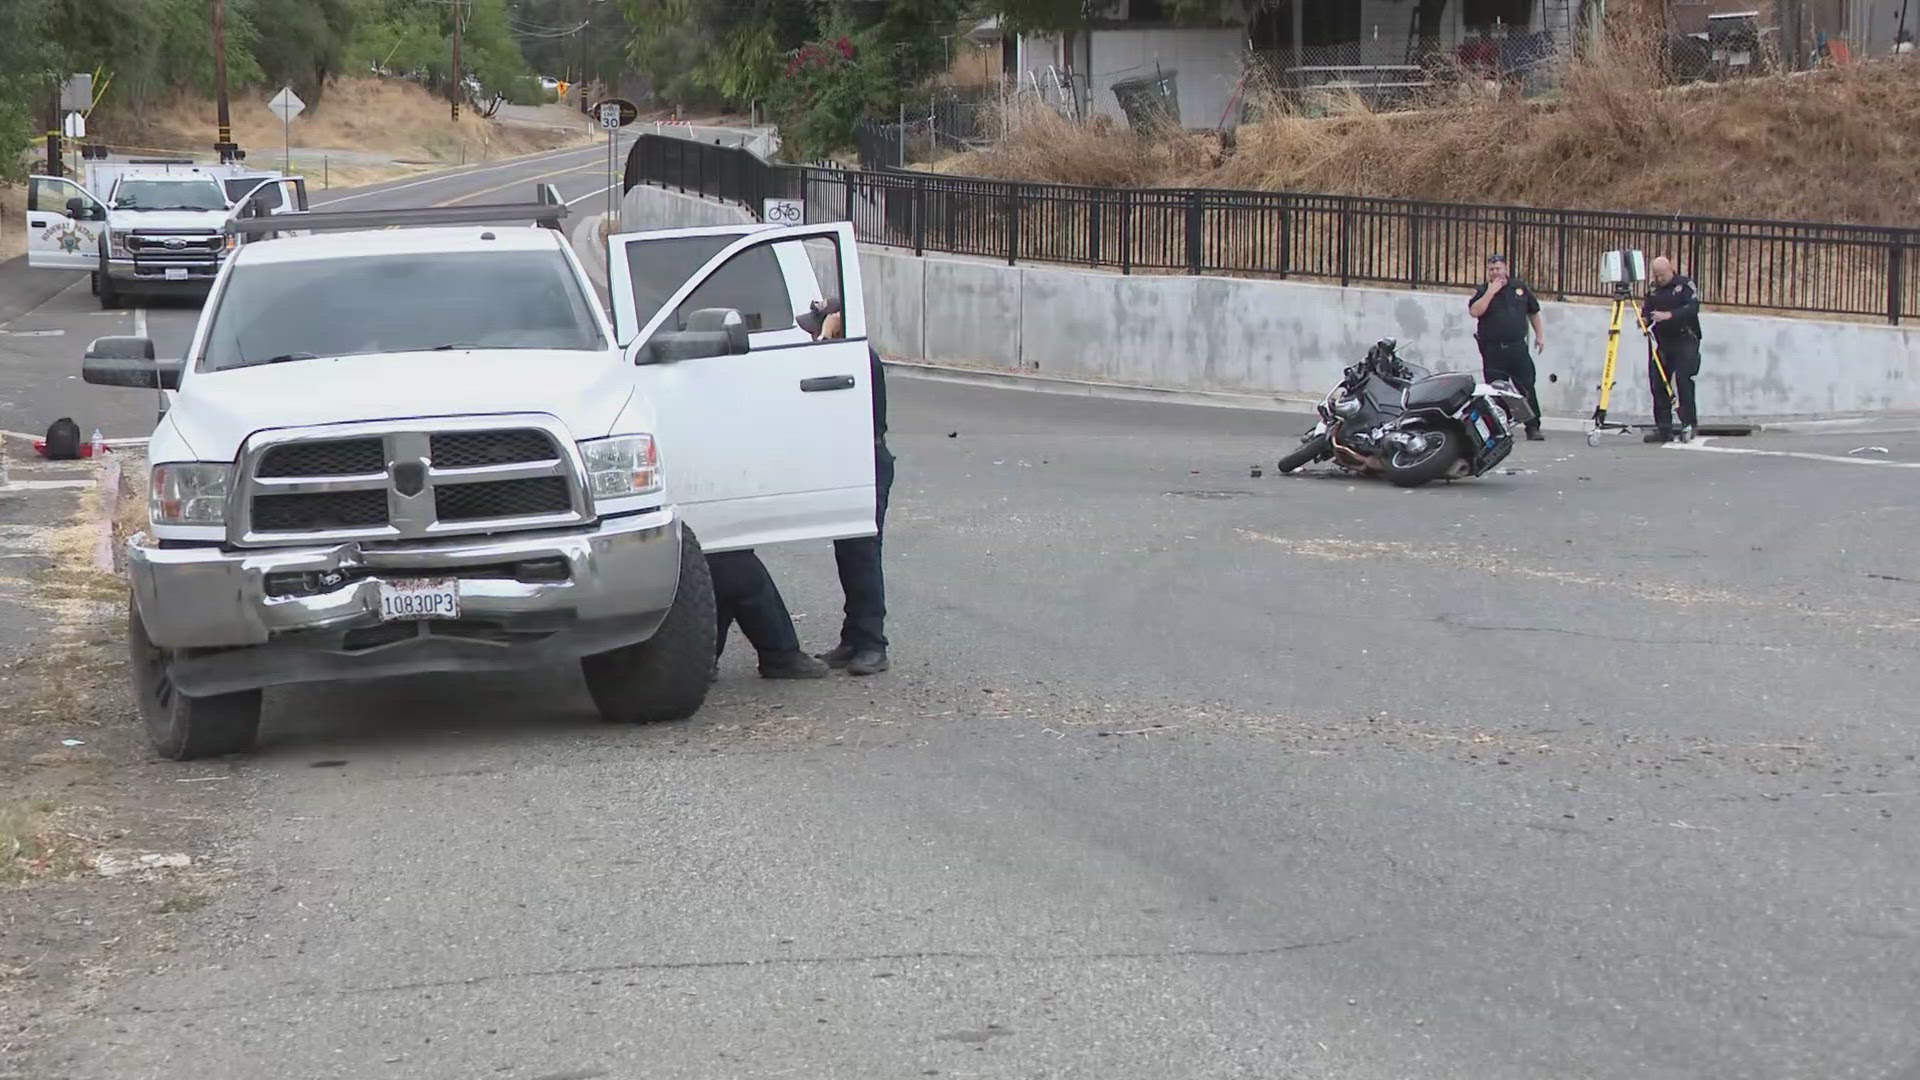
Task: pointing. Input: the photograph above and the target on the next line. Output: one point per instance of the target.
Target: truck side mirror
(129, 361)
(79, 209)
(726, 320)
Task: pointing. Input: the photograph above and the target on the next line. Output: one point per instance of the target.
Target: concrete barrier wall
(1293, 338)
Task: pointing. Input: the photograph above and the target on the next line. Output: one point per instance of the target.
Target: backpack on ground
(63, 440)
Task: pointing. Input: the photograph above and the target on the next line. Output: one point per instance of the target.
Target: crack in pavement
(773, 961)
(1445, 620)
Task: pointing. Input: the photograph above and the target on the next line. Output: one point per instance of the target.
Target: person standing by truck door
(863, 634)
(1504, 306)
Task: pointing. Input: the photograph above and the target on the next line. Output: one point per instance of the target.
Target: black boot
(793, 665)
(1661, 436)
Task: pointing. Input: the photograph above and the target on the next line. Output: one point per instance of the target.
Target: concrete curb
(106, 514)
(1857, 425)
(589, 244)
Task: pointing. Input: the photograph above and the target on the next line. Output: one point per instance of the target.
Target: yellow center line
(521, 181)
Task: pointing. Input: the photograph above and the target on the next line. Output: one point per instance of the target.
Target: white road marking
(588, 195)
(33, 333)
(47, 485)
(111, 443)
(597, 148)
(1699, 445)
(139, 322)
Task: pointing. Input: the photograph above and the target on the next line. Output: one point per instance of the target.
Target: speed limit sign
(783, 211)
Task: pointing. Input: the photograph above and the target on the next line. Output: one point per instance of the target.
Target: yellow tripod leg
(1653, 350)
(1607, 372)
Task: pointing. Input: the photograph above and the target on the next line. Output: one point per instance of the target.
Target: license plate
(420, 598)
(1485, 429)
(176, 273)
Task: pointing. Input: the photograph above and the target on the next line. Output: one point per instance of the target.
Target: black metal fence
(1787, 266)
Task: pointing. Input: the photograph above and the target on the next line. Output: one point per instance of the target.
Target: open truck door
(64, 223)
(766, 436)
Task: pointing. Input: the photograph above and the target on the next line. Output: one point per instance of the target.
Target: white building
(1136, 40)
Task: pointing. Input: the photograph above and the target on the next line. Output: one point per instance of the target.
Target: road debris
(119, 865)
(1869, 450)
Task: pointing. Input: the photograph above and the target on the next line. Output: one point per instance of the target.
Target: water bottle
(99, 447)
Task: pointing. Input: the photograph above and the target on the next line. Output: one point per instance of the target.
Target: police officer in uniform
(1672, 310)
(863, 635)
(1505, 306)
(744, 592)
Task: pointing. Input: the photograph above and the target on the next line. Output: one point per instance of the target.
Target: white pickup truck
(426, 449)
(155, 228)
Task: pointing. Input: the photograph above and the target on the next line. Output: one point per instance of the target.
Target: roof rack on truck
(546, 210)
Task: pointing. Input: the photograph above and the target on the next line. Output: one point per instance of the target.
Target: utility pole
(54, 159)
(224, 144)
(458, 86)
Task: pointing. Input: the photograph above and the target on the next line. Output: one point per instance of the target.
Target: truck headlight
(117, 245)
(194, 493)
(621, 466)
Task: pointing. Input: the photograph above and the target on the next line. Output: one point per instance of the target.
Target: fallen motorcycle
(1393, 418)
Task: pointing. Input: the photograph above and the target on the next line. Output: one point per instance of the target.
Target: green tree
(304, 43)
(25, 64)
(150, 47)
(414, 38)
(730, 48)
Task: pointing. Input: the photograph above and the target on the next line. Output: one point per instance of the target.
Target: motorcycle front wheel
(1310, 451)
(1409, 469)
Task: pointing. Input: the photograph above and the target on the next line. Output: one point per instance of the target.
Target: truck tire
(109, 296)
(664, 678)
(179, 726)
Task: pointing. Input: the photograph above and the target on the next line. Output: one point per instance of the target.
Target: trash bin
(1150, 102)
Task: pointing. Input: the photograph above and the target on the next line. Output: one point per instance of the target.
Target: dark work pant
(1681, 355)
(1510, 360)
(865, 625)
(744, 592)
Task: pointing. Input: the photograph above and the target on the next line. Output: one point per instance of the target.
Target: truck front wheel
(665, 677)
(182, 727)
(103, 286)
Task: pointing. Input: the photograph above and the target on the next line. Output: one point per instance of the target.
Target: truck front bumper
(236, 620)
(150, 279)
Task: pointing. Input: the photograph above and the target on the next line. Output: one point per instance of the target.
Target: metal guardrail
(1805, 267)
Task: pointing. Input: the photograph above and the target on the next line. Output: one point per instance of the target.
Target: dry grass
(1834, 145)
(377, 117)
(13, 209)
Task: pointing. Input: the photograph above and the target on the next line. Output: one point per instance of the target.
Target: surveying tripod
(1622, 299)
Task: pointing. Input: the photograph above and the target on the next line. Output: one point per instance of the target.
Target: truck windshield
(411, 302)
(169, 195)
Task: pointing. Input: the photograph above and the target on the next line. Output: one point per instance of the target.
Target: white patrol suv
(156, 230)
(426, 449)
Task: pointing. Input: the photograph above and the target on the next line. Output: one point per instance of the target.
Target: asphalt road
(1604, 768)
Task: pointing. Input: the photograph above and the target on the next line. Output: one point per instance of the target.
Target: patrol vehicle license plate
(419, 598)
(176, 273)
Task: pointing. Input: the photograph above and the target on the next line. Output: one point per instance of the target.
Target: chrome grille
(413, 480)
(469, 449)
(342, 457)
(501, 499)
(174, 243)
